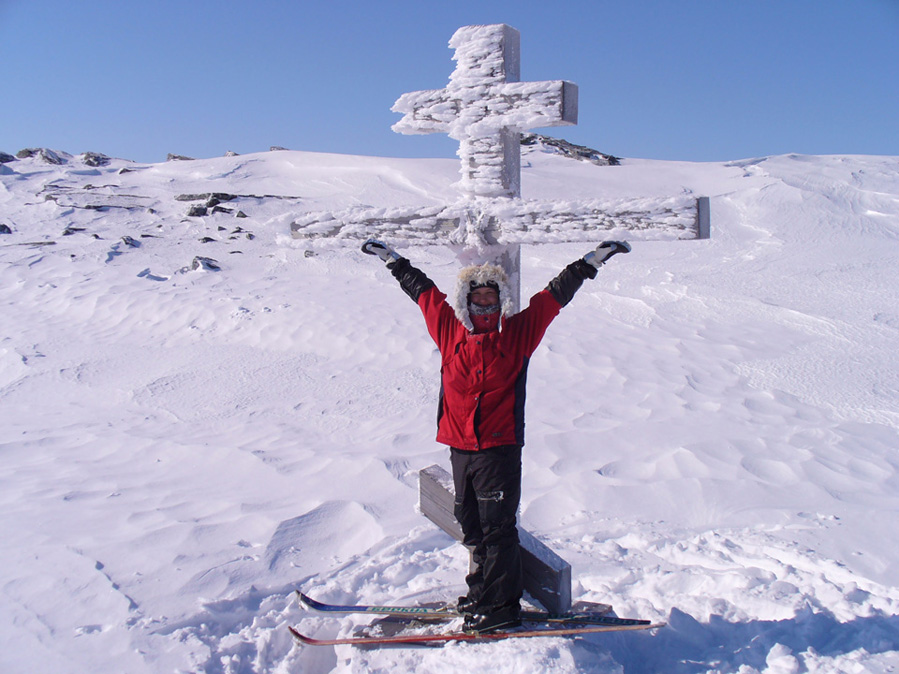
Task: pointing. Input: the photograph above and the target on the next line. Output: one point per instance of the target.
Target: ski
(597, 616)
(414, 612)
(446, 637)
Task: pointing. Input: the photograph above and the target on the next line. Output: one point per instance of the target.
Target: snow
(712, 435)
(485, 107)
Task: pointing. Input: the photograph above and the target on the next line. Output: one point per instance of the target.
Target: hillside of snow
(200, 414)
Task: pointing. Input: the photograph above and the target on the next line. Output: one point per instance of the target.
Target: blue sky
(699, 80)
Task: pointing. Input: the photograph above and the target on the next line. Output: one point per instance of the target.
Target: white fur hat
(481, 275)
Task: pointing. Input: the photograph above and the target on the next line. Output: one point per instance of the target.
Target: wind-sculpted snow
(712, 424)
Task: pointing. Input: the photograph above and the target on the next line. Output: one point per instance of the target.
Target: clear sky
(701, 80)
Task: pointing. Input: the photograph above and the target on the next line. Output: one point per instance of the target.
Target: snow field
(712, 426)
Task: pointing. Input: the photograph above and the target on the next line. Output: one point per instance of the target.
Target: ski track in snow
(712, 425)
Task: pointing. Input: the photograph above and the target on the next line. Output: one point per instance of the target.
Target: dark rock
(95, 159)
(197, 211)
(44, 154)
(222, 209)
(212, 198)
(218, 197)
(178, 157)
(68, 231)
(4, 229)
(207, 239)
(563, 147)
(206, 263)
(6, 158)
(277, 148)
(128, 241)
(240, 214)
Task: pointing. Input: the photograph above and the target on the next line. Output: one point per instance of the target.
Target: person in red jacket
(484, 351)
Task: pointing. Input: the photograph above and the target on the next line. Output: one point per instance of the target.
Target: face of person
(484, 297)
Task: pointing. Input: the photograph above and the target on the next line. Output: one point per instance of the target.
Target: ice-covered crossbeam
(514, 221)
(486, 108)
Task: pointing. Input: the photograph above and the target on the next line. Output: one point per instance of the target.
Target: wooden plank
(513, 221)
(703, 218)
(436, 498)
(547, 577)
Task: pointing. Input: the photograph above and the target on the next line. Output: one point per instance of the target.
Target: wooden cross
(486, 108)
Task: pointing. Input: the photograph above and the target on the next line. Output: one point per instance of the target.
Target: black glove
(381, 249)
(605, 250)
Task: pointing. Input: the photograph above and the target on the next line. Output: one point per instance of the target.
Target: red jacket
(483, 376)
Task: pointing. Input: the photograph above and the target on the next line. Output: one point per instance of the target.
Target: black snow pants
(488, 492)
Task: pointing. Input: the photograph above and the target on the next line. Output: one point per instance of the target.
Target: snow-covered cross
(486, 108)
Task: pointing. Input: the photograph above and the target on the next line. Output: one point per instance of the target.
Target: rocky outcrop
(6, 158)
(211, 198)
(204, 264)
(94, 159)
(197, 211)
(43, 154)
(535, 141)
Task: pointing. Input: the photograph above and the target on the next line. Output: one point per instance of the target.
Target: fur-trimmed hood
(481, 275)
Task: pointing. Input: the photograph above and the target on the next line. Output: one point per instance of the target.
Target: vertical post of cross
(486, 107)
(486, 56)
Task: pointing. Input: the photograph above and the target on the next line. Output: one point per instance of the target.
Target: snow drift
(712, 425)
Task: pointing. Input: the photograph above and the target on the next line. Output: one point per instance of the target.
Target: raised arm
(413, 281)
(566, 284)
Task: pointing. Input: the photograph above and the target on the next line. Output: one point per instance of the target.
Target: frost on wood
(486, 108)
(488, 222)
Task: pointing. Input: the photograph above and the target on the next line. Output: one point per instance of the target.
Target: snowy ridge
(712, 425)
